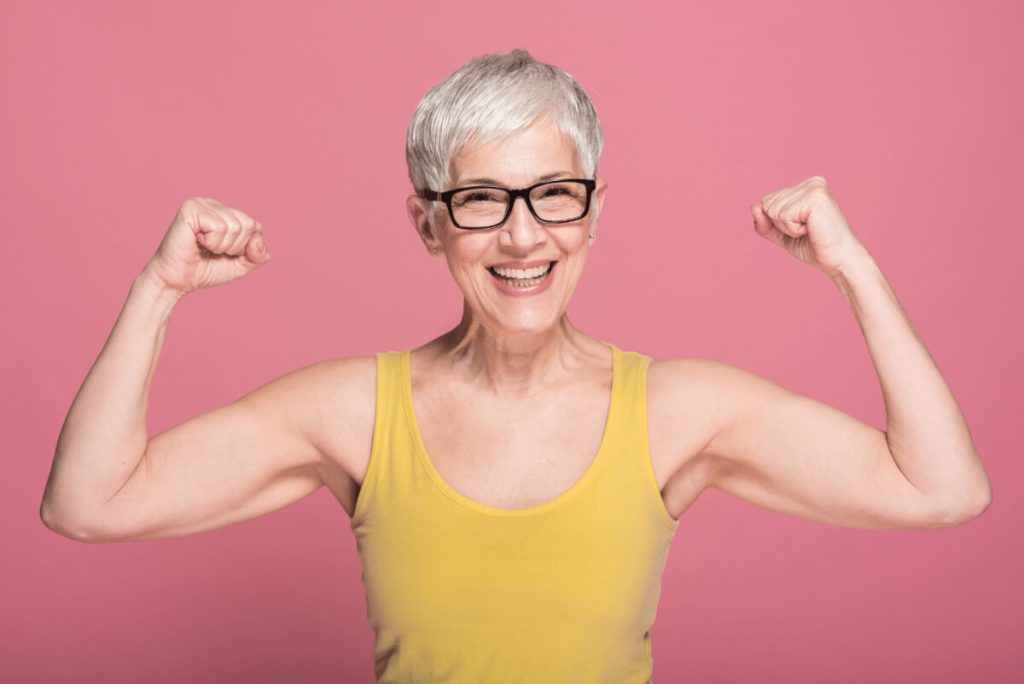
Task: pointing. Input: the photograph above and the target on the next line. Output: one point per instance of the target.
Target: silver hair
(489, 98)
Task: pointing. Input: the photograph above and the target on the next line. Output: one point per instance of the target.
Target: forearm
(926, 432)
(104, 434)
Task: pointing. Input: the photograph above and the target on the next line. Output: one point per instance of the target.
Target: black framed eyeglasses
(486, 206)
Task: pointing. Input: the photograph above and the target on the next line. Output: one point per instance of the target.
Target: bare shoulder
(688, 401)
(702, 393)
(683, 374)
(336, 399)
(345, 391)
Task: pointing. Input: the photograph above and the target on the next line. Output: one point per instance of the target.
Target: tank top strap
(634, 390)
(628, 436)
(627, 401)
(389, 434)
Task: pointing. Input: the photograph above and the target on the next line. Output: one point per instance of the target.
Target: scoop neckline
(472, 504)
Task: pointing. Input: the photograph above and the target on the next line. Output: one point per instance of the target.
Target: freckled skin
(516, 162)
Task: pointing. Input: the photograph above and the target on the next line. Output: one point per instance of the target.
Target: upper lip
(522, 264)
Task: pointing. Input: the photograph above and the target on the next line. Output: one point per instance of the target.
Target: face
(518, 161)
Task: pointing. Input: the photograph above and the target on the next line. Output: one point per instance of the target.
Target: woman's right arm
(110, 482)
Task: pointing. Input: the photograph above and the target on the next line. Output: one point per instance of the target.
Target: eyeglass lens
(485, 207)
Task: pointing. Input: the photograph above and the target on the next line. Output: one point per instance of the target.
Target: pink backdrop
(112, 113)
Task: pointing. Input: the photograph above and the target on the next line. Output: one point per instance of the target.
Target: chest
(512, 453)
(519, 454)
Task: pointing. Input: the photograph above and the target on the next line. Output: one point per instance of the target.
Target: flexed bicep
(236, 462)
(798, 456)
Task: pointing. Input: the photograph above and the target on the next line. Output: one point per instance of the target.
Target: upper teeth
(522, 272)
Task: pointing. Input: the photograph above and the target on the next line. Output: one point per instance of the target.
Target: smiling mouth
(523, 277)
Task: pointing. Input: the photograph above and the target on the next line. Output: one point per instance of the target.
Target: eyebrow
(491, 181)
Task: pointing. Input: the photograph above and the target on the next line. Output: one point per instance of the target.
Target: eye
(478, 196)
(555, 191)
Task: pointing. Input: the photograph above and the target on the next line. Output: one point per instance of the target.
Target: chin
(529, 322)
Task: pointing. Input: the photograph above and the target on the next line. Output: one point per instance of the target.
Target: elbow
(963, 510)
(67, 526)
(50, 519)
(60, 525)
(980, 504)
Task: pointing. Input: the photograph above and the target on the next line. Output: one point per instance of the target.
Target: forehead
(518, 159)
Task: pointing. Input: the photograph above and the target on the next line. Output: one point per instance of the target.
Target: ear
(418, 210)
(596, 205)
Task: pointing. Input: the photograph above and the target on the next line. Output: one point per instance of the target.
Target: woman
(515, 483)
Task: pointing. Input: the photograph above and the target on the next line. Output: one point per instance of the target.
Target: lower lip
(513, 291)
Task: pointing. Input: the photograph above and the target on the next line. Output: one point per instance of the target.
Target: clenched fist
(806, 221)
(208, 244)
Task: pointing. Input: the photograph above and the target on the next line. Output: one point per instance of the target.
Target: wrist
(152, 286)
(855, 268)
(855, 274)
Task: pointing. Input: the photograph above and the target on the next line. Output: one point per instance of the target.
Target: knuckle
(820, 191)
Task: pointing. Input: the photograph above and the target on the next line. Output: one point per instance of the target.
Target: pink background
(113, 113)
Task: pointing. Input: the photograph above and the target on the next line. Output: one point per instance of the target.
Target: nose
(524, 231)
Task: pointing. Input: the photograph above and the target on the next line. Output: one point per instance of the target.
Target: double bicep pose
(514, 483)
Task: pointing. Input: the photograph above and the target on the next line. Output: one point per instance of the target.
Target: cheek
(466, 254)
(576, 242)
(578, 248)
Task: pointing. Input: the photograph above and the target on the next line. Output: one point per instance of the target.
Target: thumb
(256, 252)
(764, 227)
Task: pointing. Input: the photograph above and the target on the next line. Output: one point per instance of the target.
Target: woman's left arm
(927, 436)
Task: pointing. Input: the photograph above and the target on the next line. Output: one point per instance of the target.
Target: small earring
(433, 250)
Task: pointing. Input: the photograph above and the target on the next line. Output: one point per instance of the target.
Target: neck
(516, 364)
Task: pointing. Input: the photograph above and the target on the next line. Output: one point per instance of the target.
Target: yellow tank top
(458, 592)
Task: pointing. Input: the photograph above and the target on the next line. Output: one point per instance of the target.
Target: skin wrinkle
(518, 345)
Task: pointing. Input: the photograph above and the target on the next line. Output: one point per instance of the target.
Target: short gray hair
(489, 98)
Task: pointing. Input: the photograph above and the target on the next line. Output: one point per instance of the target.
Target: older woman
(513, 484)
